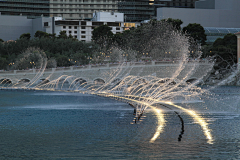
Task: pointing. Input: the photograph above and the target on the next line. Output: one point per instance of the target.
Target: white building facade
(14, 26)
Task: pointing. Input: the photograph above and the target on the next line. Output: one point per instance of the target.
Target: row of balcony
(28, 1)
(82, 3)
(134, 3)
(85, 8)
(137, 8)
(136, 12)
(72, 12)
(24, 10)
(136, 18)
(26, 6)
(88, 7)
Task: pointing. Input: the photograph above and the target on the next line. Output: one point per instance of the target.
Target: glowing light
(161, 123)
(200, 120)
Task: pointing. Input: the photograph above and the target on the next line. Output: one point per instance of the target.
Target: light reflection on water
(29, 129)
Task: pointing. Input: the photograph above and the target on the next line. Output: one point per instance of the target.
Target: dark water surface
(57, 125)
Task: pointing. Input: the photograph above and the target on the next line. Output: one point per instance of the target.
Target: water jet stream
(161, 121)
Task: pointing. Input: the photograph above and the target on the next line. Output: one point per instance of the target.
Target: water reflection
(161, 123)
(200, 120)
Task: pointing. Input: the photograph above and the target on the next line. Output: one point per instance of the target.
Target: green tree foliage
(1, 40)
(26, 36)
(197, 32)
(3, 63)
(152, 39)
(31, 58)
(51, 63)
(102, 35)
(41, 34)
(62, 60)
(229, 40)
(62, 35)
(224, 50)
(53, 48)
(174, 22)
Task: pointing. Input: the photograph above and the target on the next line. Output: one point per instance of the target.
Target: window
(70, 32)
(97, 23)
(64, 27)
(75, 32)
(70, 27)
(117, 28)
(83, 23)
(45, 24)
(113, 24)
(83, 27)
(75, 36)
(75, 27)
(83, 36)
(83, 32)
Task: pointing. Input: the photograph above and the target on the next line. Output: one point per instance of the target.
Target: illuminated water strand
(200, 120)
(160, 116)
(161, 124)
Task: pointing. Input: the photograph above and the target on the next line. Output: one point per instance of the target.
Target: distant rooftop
(215, 33)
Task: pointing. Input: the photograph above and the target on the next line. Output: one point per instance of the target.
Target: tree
(197, 32)
(62, 35)
(31, 58)
(229, 40)
(40, 34)
(1, 40)
(51, 63)
(3, 63)
(174, 22)
(25, 36)
(102, 35)
(62, 60)
(224, 51)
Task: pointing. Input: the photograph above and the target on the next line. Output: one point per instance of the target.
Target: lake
(64, 125)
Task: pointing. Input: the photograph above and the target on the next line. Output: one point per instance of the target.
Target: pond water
(63, 125)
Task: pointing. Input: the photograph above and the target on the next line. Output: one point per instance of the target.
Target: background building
(214, 33)
(176, 3)
(29, 8)
(136, 11)
(208, 13)
(14, 26)
(139, 10)
(68, 9)
(80, 9)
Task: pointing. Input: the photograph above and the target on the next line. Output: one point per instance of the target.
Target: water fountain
(142, 88)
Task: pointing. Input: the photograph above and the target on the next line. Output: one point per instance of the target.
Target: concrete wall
(225, 4)
(226, 14)
(205, 4)
(160, 70)
(108, 17)
(11, 27)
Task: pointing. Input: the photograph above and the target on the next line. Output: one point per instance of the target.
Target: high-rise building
(139, 10)
(30, 8)
(67, 9)
(80, 9)
(176, 3)
(136, 11)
